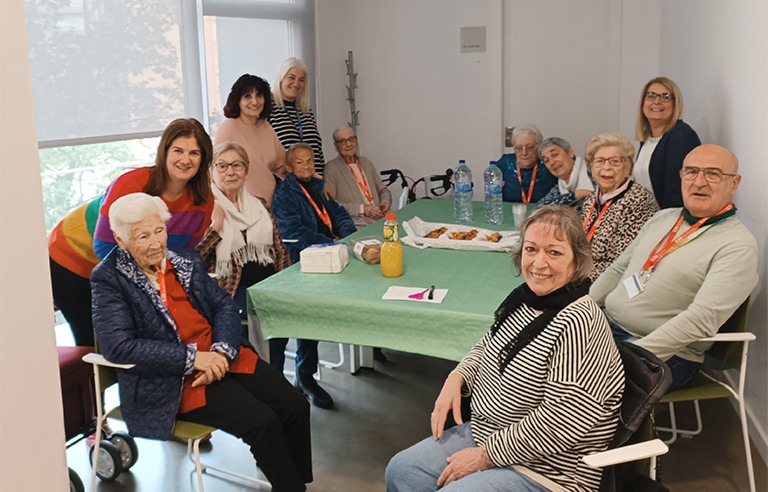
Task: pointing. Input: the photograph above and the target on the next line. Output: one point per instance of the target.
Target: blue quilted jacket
(133, 326)
(296, 217)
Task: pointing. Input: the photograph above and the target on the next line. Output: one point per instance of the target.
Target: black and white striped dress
(283, 120)
(556, 401)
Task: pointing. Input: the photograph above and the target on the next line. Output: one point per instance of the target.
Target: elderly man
(354, 181)
(526, 178)
(305, 217)
(664, 299)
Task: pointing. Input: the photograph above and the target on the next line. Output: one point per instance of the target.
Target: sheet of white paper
(401, 294)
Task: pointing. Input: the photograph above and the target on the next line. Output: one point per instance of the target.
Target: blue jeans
(682, 370)
(417, 468)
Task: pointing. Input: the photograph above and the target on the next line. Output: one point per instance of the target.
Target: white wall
(32, 455)
(718, 53)
(423, 104)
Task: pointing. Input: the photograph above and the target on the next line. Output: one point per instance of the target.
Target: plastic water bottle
(494, 182)
(462, 193)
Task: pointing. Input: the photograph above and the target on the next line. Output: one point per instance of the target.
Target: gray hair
(338, 130)
(293, 148)
(567, 226)
(220, 148)
(525, 130)
(549, 142)
(132, 208)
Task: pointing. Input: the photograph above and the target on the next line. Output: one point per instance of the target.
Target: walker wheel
(109, 464)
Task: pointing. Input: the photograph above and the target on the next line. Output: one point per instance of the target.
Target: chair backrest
(727, 355)
(646, 380)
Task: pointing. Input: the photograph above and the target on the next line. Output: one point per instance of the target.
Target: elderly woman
(540, 397)
(243, 245)
(665, 140)
(157, 308)
(291, 116)
(179, 177)
(354, 181)
(574, 181)
(526, 178)
(248, 107)
(615, 212)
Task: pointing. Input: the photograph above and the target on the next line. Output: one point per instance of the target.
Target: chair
(108, 465)
(731, 353)
(646, 380)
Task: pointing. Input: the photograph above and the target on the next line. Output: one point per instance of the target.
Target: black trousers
(270, 415)
(306, 356)
(72, 296)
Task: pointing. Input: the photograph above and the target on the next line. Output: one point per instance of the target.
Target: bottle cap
(391, 216)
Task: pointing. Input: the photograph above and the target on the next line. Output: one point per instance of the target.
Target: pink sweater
(265, 153)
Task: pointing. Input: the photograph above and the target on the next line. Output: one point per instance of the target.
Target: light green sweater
(692, 292)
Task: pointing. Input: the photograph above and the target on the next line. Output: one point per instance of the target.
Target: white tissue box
(324, 258)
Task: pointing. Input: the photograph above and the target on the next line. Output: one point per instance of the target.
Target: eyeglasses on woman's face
(222, 166)
(599, 162)
(663, 97)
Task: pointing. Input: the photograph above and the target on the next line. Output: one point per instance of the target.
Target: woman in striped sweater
(545, 382)
(291, 116)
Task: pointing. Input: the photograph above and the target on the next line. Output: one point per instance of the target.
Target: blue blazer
(133, 326)
(667, 161)
(296, 216)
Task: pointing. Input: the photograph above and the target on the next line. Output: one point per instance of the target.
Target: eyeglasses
(524, 148)
(612, 161)
(711, 174)
(663, 97)
(345, 141)
(222, 166)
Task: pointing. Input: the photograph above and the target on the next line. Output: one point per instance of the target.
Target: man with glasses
(664, 299)
(354, 182)
(526, 178)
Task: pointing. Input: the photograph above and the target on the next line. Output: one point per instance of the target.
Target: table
(347, 307)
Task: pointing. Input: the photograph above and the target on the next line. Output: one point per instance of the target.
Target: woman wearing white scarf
(243, 244)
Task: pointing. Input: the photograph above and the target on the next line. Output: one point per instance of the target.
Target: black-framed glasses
(345, 141)
(711, 174)
(663, 97)
(222, 166)
(611, 161)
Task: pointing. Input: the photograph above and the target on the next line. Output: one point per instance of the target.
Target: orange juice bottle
(391, 250)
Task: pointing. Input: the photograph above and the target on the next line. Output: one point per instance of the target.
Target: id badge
(633, 286)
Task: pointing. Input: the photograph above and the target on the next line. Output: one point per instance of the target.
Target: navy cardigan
(666, 162)
(133, 326)
(296, 217)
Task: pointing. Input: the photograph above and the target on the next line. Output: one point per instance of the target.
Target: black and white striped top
(284, 121)
(556, 401)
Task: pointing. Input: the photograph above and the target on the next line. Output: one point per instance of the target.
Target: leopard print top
(620, 224)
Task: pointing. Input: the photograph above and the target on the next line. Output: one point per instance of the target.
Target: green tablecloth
(348, 308)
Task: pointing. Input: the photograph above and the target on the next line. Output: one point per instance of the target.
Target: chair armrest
(624, 454)
(99, 360)
(744, 336)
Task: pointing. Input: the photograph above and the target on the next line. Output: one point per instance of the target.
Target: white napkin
(401, 294)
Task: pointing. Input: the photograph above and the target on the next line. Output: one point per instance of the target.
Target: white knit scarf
(252, 218)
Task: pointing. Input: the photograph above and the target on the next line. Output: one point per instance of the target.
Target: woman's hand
(217, 218)
(384, 207)
(372, 211)
(463, 463)
(449, 399)
(210, 367)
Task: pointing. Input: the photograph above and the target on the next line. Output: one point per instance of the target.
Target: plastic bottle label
(463, 187)
(493, 189)
(391, 233)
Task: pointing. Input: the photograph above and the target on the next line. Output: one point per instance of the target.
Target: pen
(431, 294)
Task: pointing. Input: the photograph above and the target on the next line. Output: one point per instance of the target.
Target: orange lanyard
(597, 220)
(163, 289)
(526, 199)
(362, 184)
(670, 245)
(323, 214)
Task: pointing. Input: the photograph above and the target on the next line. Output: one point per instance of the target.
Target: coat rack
(351, 93)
